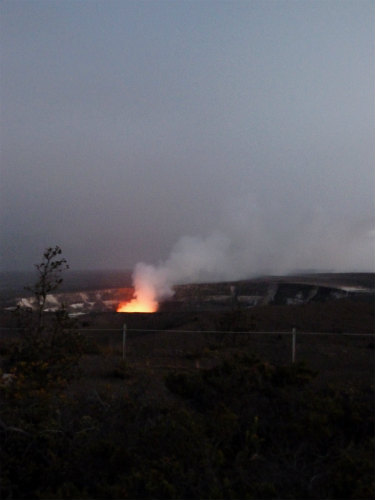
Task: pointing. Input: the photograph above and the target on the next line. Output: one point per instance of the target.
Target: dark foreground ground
(202, 405)
(333, 338)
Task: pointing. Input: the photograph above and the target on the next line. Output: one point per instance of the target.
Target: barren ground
(163, 342)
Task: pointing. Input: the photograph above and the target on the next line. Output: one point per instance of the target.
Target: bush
(243, 429)
(41, 364)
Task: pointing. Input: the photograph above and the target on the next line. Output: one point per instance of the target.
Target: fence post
(293, 345)
(123, 341)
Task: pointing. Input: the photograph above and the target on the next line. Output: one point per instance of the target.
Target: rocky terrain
(281, 290)
(85, 296)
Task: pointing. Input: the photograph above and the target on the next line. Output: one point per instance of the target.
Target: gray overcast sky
(127, 125)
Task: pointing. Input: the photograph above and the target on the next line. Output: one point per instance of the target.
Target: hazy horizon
(237, 136)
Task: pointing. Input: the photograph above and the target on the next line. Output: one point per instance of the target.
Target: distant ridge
(14, 282)
(93, 291)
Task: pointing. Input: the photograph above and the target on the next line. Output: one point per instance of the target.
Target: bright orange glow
(138, 306)
(145, 296)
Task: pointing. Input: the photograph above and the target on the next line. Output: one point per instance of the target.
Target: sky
(134, 130)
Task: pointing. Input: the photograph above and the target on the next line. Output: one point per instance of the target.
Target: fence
(330, 351)
(281, 346)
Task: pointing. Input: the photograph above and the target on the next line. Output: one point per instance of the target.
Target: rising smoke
(191, 259)
(246, 246)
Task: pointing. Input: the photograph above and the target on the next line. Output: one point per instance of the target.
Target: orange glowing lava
(145, 294)
(138, 306)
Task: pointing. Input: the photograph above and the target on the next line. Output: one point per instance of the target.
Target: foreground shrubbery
(245, 429)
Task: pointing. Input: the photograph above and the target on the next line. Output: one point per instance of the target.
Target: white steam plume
(251, 242)
(191, 259)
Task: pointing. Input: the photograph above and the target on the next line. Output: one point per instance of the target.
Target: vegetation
(49, 279)
(36, 369)
(245, 428)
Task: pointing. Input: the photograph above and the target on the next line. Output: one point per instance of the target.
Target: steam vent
(243, 294)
